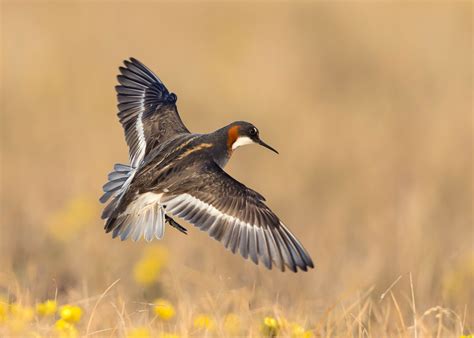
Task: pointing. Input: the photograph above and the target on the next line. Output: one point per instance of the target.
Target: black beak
(266, 146)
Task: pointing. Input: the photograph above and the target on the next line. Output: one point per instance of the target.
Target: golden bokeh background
(369, 104)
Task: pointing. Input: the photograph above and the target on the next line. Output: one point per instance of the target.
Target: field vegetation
(369, 105)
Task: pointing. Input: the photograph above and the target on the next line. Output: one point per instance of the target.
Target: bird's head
(241, 133)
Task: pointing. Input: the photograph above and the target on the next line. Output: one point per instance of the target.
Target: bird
(174, 173)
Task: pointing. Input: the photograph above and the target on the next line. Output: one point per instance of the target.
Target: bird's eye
(253, 131)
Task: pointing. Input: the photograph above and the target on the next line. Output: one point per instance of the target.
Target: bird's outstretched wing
(236, 216)
(147, 110)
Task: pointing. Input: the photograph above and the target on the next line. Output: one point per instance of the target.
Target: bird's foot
(176, 225)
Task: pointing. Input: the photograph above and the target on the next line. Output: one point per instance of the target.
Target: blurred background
(369, 104)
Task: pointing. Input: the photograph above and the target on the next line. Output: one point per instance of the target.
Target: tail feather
(114, 185)
(124, 168)
(119, 180)
(116, 175)
(143, 218)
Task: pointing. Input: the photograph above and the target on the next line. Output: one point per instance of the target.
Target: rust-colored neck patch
(232, 136)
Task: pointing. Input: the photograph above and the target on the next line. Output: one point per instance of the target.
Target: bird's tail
(141, 217)
(117, 185)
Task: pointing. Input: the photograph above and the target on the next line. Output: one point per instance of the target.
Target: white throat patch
(242, 141)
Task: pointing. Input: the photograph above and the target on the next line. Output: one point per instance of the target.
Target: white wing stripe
(138, 155)
(176, 204)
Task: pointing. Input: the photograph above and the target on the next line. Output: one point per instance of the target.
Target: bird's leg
(176, 225)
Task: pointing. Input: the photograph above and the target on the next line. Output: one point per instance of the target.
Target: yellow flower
(298, 331)
(70, 313)
(232, 324)
(47, 308)
(270, 322)
(65, 329)
(204, 322)
(3, 309)
(139, 332)
(148, 268)
(164, 309)
(270, 326)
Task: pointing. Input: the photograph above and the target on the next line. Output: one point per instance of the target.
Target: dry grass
(369, 104)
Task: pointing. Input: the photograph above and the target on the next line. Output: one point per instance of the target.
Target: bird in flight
(176, 173)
